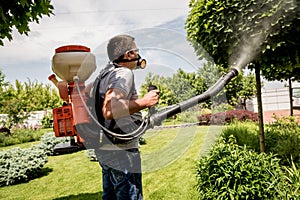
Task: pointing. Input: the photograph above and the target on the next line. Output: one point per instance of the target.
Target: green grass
(169, 161)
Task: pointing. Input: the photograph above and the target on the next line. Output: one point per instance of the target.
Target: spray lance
(81, 120)
(156, 118)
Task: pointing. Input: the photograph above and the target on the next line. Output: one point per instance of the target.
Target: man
(120, 159)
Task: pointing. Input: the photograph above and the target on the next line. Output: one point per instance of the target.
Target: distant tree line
(18, 100)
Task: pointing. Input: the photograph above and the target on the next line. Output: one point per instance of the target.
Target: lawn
(169, 160)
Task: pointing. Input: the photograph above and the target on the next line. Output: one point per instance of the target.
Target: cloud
(90, 23)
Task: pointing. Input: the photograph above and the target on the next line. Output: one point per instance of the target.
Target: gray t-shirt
(121, 78)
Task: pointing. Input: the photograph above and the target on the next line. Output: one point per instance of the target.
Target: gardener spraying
(120, 160)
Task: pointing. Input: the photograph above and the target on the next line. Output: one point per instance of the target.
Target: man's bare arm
(115, 105)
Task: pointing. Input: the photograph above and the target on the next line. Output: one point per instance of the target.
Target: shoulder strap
(97, 96)
(98, 100)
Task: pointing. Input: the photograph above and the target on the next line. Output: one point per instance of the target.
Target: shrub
(282, 137)
(190, 115)
(19, 136)
(20, 165)
(227, 117)
(48, 142)
(246, 133)
(293, 179)
(223, 107)
(90, 153)
(234, 172)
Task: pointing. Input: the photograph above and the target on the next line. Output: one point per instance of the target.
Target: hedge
(227, 117)
(21, 165)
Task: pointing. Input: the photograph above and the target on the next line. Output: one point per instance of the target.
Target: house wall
(273, 99)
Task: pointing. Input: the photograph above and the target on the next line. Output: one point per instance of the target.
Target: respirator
(141, 62)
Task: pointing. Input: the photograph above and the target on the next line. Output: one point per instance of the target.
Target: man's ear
(127, 55)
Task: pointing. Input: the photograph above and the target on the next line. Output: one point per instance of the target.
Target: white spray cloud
(251, 45)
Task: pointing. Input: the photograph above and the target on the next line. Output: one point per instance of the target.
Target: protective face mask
(141, 64)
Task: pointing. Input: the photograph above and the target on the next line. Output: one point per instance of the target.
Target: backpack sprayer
(69, 62)
(74, 64)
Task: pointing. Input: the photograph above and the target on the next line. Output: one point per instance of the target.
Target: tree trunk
(244, 103)
(291, 97)
(260, 109)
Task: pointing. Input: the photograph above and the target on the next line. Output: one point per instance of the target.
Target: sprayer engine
(69, 63)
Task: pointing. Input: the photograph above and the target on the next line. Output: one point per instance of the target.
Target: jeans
(121, 174)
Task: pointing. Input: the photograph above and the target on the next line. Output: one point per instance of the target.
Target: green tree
(14, 105)
(166, 96)
(235, 33)
(18, 14)
(240, 89)
(237, 91)
(185, 85)
(17, 101)
(3, 85)
(177, 88)
(38, 96)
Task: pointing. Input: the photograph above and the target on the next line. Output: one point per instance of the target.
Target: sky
(157, 25)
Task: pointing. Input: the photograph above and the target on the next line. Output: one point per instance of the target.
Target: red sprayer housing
(69, 62)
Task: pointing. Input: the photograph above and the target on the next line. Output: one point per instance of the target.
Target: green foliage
(175, 89)
(234, 172)
(35, 96)
(188, 116)
(240, 89)
(3, 85)
(293, 179)
(48, 142)
(166, 96)
(222, 107)
(19, 14)
(186, 85)
(47, 121)
(21, 165)
(19, 100)
(283, 138)
(237, 90)
(73, 176)
(246, 133)
(235, 33)
(227, 117)
(19, 136)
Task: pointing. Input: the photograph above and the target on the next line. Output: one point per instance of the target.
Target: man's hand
(151, 98)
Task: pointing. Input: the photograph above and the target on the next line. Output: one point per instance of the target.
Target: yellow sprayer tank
(73, 60)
